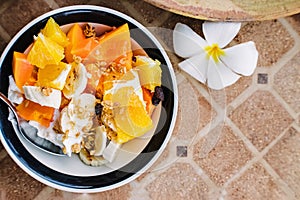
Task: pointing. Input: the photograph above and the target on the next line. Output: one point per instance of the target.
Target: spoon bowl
(30, 133)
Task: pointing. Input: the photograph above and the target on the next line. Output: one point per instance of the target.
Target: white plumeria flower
(207, 61)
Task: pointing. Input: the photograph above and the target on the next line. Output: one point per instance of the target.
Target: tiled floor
(244, 142)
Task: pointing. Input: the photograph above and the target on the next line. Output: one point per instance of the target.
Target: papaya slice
(29, 110)
(79, 45)
(23, 71)
(115, 48)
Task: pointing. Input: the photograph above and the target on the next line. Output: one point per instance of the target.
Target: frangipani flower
(207, 61)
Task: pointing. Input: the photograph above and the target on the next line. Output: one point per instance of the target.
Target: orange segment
(53, 31)
(149, 72)
(130, 114)
(45, 52)
(54, 76)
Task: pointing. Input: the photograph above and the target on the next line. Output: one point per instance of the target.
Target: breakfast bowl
(132, 158)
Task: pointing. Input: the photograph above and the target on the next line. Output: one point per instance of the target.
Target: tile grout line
(258, 157)
(44, 193)
(283, 103)
(289, 54)
(4, 34)
(203, 175)
(279, 182)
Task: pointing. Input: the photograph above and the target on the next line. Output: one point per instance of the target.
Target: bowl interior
(52, 177)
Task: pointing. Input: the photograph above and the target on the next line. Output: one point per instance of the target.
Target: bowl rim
(174, 90)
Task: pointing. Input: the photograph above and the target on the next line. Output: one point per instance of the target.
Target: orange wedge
(130, 114)
(53, 31)
(45, 52)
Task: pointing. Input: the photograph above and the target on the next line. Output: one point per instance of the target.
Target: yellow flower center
(214, 51)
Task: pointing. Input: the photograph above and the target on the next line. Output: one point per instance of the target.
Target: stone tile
(254, 184)
(287, 83)
(227, 95)
(20, 13)
(193, 114)
(181, 151)
(122, 193)
(284, 157)
(226, 158)
(271, 40)
(15, 183)
(262, 78)
(261, 118)
(295, 21)
(178, 182)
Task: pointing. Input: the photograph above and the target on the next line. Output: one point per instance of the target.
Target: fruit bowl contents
(87, 88)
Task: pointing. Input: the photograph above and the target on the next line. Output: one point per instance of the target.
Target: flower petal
(219, 76)
(241, 58)
(220, 33)
(196, 66)
(187, 42)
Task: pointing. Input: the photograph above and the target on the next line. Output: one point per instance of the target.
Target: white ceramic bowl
(135, 157)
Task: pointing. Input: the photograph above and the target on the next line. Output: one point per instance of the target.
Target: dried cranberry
(158, 95)
(98, 109)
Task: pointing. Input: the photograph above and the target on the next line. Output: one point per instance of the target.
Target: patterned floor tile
(287, 83)
(254, 184)
(193, 114)
(272, 41)
(284, 157)
(121, 193)
(179, 181)
(15, 183)
(227, 157)
(261, 118)
(225, 96)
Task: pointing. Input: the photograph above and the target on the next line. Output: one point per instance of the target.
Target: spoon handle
(10, 105)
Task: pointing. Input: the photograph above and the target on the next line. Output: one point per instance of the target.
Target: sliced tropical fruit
(75, 34)
(84, 47)
(23, 71)
(45, 52)
(79, 45)
(114, 51)
(115, 48)
(54, 76)
(29, 110)
(53, 31)
(149, 71)
(122, 137)
(130, 114)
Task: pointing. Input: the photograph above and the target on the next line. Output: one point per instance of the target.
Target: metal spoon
(30, 133)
